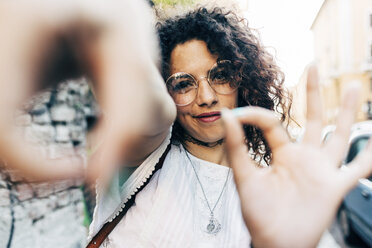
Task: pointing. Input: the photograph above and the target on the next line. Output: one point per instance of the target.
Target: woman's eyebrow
(207, 73)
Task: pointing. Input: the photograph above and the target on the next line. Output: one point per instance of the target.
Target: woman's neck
(215, 154)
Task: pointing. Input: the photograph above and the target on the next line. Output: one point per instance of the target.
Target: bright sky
(285, 26)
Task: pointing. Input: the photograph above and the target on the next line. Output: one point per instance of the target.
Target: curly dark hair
(230, 38)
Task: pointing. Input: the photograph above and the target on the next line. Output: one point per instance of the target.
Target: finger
(28, 160)
(360, 167)
(265, 120)
(236, 149)
(314, 108)
(338, 142)
(122, 92)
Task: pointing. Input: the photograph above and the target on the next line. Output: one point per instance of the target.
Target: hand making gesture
(113, 44)
(291, 202)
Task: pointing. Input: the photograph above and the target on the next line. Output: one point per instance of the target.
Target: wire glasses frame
(222, 78)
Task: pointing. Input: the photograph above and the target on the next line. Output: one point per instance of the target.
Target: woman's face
(201, 118)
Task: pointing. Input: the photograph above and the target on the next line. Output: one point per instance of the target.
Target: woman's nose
(206, 95)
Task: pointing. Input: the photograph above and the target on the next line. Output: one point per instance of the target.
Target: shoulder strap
(106, 229)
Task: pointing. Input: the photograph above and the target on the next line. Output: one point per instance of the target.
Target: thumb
(236, 149)
(33, 165)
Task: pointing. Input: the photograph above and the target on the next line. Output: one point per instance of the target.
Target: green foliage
(171, 3)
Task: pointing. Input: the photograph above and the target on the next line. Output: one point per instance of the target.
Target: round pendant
(214, 226)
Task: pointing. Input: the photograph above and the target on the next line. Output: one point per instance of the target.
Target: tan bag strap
(102, 234)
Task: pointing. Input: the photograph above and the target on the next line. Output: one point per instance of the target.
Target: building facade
(48, 214)
(343, 50)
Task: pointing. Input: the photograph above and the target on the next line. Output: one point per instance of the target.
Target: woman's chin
(208, 136)
(209, 140)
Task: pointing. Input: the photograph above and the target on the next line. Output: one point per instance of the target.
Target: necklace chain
(201, 186)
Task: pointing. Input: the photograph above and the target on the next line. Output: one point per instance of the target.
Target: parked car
(355, 213)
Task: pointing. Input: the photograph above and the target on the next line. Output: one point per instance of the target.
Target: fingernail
(237, 112)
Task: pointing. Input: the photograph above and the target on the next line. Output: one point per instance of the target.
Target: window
(356, 147)
(370, 20)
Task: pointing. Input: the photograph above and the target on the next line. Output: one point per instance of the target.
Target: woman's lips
(209, 117)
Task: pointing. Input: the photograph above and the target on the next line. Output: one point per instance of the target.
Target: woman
(211, 61)
(185, 196)
(228, 42)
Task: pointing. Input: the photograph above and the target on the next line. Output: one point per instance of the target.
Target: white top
(171, 210)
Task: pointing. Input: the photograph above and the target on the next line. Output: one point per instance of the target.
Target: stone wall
(48, 214)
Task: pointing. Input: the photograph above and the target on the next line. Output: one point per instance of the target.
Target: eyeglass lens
(222, 78)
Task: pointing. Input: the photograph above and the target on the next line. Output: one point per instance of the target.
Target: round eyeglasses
(222, 77)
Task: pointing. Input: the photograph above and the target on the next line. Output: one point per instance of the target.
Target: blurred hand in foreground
(112, 43)
(293, 201)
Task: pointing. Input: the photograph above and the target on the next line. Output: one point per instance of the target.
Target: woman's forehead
(192, 56)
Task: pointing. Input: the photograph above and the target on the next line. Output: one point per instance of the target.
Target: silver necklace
(214, 225)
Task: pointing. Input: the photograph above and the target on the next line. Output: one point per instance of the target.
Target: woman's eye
(220, 77)
(182, 86)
